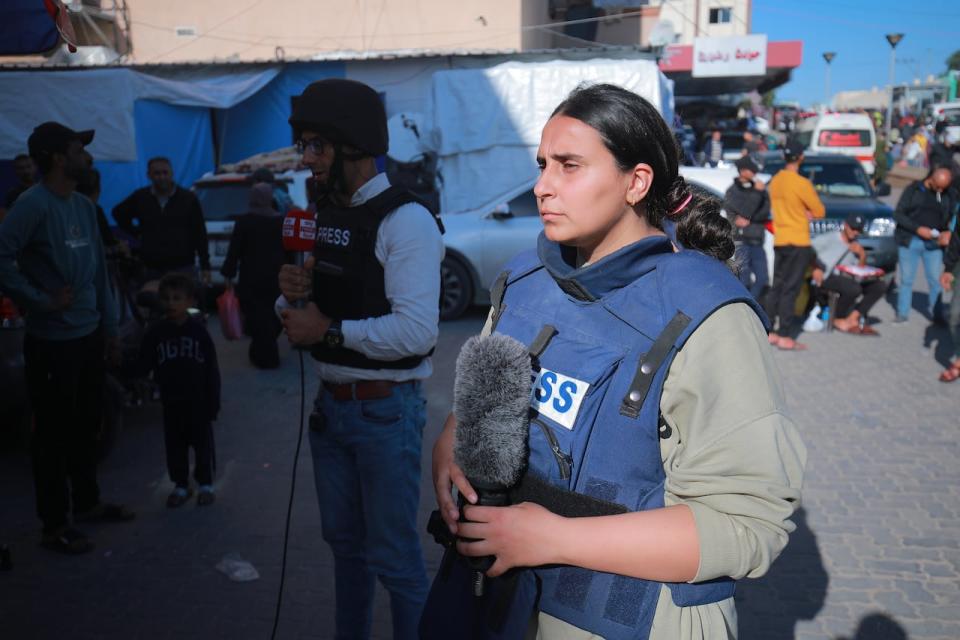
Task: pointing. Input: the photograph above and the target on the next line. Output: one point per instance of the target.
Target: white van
(849, 134)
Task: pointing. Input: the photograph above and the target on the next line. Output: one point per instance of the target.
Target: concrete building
(183, 31)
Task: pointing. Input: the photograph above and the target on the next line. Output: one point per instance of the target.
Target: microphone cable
(293, 488)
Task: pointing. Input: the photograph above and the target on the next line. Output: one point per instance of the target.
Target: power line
(213, 28)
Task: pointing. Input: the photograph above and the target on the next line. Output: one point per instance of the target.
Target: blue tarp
(138, 116)
(26, 27)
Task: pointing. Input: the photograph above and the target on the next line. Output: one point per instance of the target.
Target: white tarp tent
(486, 123)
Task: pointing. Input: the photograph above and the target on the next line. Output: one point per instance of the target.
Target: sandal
(793, 346)
(66, 540)
(951, 373)
(179, 497)
(105, 512)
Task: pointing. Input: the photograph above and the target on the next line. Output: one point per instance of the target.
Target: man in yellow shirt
(794, 203)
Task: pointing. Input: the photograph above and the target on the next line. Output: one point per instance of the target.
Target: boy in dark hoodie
(181, 355)
(747, 204)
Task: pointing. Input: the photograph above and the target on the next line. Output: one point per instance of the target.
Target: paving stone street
(876, 554)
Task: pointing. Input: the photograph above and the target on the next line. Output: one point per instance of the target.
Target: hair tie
(683, 205)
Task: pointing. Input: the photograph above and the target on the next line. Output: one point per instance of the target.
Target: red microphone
(299, 236)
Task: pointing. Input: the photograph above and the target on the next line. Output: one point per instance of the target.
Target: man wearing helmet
(371, 291)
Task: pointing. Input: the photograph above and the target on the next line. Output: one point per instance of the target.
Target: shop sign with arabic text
(733, 56)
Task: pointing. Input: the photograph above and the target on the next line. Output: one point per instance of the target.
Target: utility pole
(894, 39)
(828, 56)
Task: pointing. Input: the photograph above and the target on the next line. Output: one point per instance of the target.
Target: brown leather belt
(362, 390)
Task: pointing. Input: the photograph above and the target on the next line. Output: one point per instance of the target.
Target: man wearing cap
(856, 298)
(52, 264)
(794, 202)
(168, 221)
(748, 206)
(371, 290)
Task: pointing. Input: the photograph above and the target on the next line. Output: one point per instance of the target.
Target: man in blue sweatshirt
(52, 264)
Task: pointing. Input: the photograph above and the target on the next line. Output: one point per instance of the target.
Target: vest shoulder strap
(393, 197)
(518, 267)
(650, 363)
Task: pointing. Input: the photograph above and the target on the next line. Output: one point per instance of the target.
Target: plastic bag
(237, 569)
(813, 321)
(228, 307)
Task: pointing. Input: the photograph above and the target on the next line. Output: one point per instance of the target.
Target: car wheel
(456, 289)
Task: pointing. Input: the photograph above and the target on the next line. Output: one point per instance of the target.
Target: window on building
(721, 15)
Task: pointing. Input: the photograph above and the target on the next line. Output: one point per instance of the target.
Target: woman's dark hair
(634, 132)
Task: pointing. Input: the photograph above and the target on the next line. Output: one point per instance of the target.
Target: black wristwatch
(333, 338)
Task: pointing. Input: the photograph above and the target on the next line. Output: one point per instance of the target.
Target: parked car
(224, 196)
(480, 241)
(844, 189)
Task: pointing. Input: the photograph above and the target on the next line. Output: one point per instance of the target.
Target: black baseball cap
(793, 149)
(53, 137)
(856, 222)
(746, 162)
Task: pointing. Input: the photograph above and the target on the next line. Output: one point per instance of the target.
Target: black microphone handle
(487, 496)
(299, 257)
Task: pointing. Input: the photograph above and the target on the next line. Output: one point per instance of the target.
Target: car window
(832, 178)
(524, 204)
(952, 117)
(844, 138)
(221, 201)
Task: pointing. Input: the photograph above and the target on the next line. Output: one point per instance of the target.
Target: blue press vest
(607, 316)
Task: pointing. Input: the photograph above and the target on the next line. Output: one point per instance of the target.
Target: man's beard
(79, 173)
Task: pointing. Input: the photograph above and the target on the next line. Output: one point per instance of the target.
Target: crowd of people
(628, 293)
(830, 271)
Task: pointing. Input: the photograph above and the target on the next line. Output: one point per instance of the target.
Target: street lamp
(828, 56)
(894, 39)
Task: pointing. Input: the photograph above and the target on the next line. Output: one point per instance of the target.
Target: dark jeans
(263, 326)
(66, 384)
(366, 464)
(850, 291)
(753, 268)
(789, 265)
(183, 428)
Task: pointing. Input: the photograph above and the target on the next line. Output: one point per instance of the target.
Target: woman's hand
(519, 535)
(446, 473)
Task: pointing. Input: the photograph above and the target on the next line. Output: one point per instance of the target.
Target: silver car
(480, 241)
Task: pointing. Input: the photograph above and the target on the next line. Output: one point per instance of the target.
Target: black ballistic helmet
(345, 111)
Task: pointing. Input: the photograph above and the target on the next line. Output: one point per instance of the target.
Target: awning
(782, 58)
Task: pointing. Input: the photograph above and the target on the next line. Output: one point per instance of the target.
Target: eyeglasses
(314, 145)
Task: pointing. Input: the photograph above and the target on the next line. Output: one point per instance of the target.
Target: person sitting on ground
(856, 297)
(748, 204)
(181, 355)
(951, 271)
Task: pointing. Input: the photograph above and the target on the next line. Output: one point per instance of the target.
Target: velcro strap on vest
(649, 364)
(562, 502)
(497, 291)
(539, 344)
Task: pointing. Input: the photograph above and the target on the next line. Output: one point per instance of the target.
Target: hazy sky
(855, 30)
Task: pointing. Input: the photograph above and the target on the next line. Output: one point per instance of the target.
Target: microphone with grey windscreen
(491, 402)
